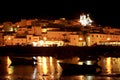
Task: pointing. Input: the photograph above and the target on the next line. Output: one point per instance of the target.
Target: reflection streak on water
(44, 66)
(109, 65)
(9, 70)
(116, 64)
(108, 78)
(47, 67)
(34, 73)
(5, 66)
(52, 70)
(90, 77)
(79, 77)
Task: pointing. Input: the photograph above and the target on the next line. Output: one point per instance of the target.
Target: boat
(73, 69)
(82, 67)
(19, 60)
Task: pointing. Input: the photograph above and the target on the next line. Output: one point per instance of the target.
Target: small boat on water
(85, 67)
(18, 60)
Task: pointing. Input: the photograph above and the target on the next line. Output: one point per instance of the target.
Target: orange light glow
(108, 38)
(108, 65)
(44, 65)
(80, 38)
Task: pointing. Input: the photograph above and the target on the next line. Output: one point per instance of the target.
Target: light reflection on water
(110, 65)
(48, 68)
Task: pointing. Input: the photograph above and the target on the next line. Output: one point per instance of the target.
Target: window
(29, 38)
(96, 35)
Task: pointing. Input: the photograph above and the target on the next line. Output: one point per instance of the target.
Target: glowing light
(88, 41)
(44, 30)
(81, 77)
(11, 29)
(44, 65)
(8, 61)
(18, 26)
(46, 43)
(44, 38)
(89, 62)
(39, 59)
(40, 43)
(34, 57)
(80, 63)
(34, 43)
(34, 73)
(108, 65)
(108, 38)
(9, 38)
(80, 38)
(51, 59)
(9, 69)
(85, 20)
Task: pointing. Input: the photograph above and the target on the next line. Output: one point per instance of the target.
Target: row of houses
(58, 32)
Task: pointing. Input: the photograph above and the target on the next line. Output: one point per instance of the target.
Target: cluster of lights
(45, 42)
(85, 20)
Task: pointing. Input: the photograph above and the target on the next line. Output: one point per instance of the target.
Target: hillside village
(60, 32)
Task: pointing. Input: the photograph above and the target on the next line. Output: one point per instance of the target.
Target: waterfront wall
(61, 52)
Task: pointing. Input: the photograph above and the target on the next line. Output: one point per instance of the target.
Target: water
(48, 68)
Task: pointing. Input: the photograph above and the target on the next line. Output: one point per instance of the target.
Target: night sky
(103, 12)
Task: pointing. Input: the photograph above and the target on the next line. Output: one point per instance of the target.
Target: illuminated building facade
(61, 32)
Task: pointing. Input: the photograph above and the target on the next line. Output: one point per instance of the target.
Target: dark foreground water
(48, 68)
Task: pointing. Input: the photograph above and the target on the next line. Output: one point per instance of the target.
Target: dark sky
(103, 12)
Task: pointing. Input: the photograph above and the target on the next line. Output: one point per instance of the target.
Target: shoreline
(63, 51)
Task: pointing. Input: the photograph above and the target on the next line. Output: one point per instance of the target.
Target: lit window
(80, 38)
(108, 38)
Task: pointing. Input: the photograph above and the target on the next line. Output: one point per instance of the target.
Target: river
(48, 68)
